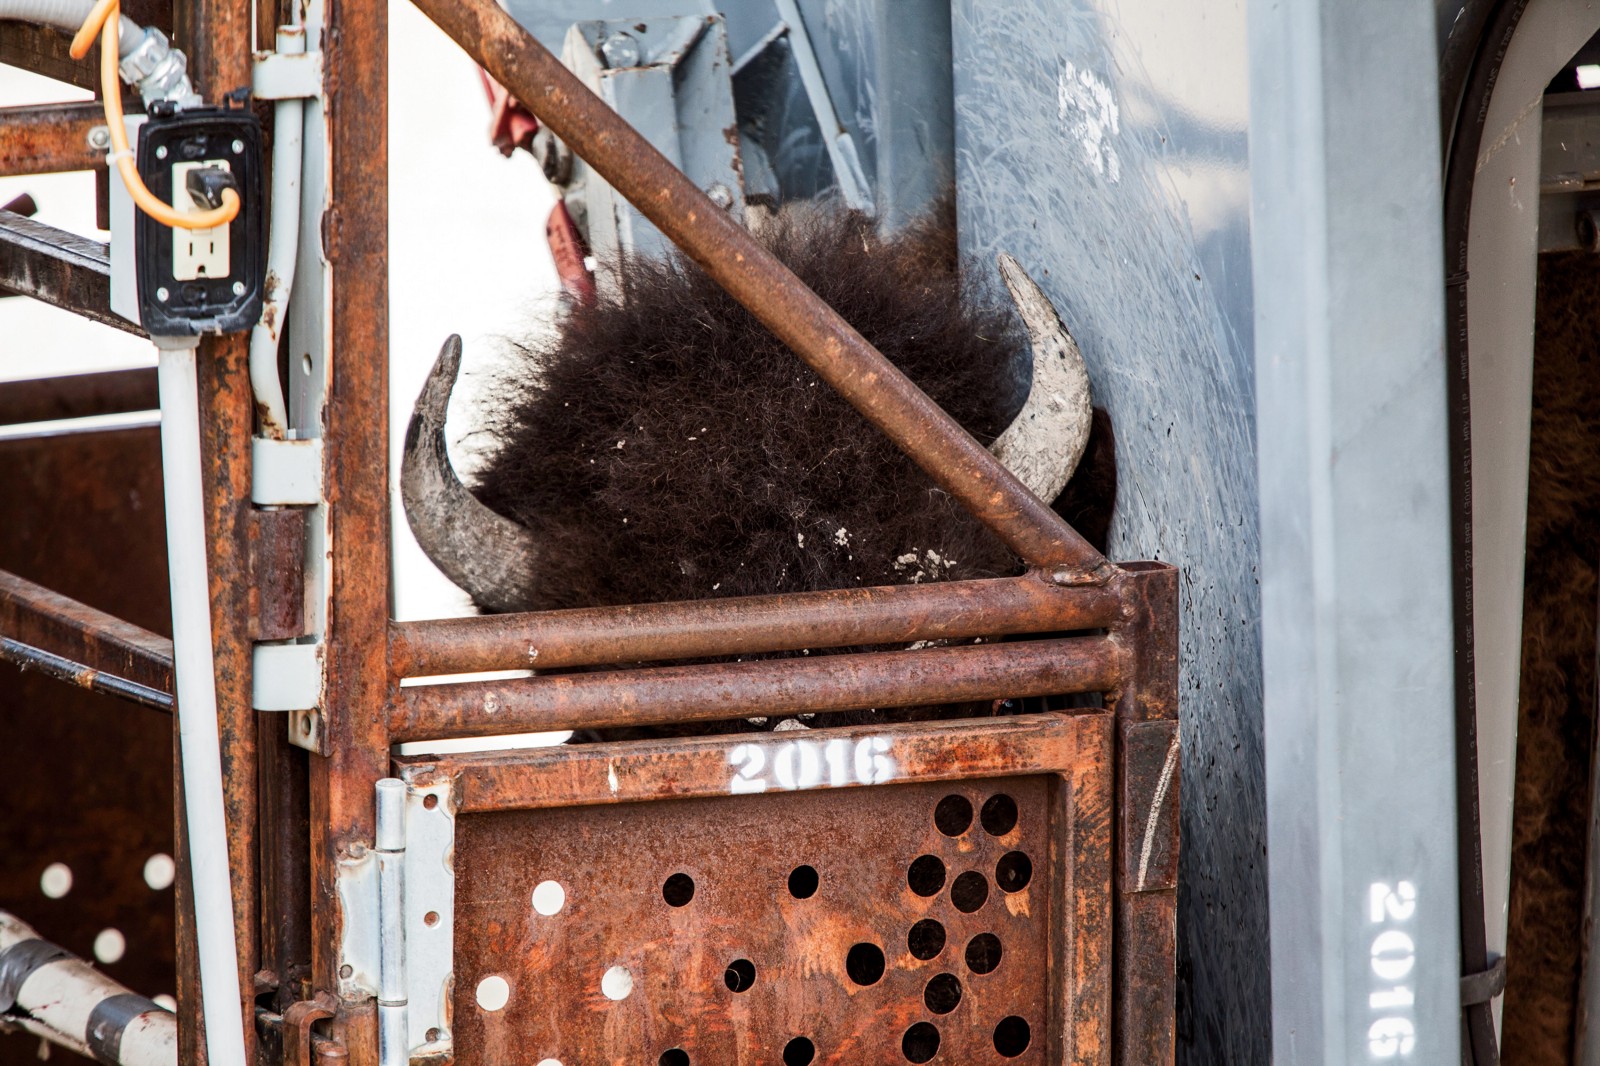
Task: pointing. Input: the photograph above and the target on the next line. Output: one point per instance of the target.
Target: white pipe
(69, 15)
(197, 699)
(58, 1001)
(283, 247)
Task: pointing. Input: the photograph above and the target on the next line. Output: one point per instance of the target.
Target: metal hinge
(397, 901)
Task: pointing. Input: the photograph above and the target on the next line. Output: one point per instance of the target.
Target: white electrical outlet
(196, 253)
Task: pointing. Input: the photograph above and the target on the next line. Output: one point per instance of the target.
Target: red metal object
(511, 126)
(569, 253)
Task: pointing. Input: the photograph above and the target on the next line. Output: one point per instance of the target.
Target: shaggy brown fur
(668, 447)
(1556, 717)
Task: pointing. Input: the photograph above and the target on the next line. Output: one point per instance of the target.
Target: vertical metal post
(216, 36)
(1356, 581)
(350, 246)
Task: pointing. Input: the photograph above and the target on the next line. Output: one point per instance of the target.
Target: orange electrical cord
(105, 20)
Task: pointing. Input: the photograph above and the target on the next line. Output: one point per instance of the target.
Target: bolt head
(620, 50)
(99, 138)
(238, 288)
(162, 294)
(238, 147)
(720, 195)
(161, 152)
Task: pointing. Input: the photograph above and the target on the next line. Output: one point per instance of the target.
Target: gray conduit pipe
(69, 15)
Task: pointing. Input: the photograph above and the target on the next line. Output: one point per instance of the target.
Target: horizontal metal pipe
(49, 138)
(85, 638)
(59, 268)
(676, 694)
(754, 276)
(653, 632)
(27, 657)
(112, 392)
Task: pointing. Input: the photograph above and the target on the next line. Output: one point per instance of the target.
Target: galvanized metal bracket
(286, 473)
(280, 76)
(286, 677)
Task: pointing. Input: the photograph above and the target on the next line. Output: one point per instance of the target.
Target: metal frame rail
(1124, 617)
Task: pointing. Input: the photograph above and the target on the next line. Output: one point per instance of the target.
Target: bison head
(664, 445)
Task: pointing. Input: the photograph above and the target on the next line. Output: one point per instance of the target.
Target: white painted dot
(549, 897)
(110, 945)
(549, 1062)
(169, 1002)
(56, 881)
(493, 993)
(160, 871)
(617, 983)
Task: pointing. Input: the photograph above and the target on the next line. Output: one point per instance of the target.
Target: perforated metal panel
(883, 925)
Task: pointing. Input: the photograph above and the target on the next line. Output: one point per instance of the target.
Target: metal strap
(18, 962)
(1483, 986)
(103, 1032)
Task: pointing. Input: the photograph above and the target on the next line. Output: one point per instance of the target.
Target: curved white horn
(1044, 442)
(488, 555)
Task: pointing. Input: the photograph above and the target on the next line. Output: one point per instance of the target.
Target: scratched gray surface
(1105, 146)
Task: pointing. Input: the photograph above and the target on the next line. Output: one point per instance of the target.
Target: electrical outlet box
(197, 253)
(201, 281)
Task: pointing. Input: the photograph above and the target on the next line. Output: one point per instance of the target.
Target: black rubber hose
(1468, 70)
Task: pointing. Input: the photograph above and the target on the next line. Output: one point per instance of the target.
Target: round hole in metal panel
(740, 975)
(921, 1042)
(494, 992)
(984, 953)
(1013, 872)
(430, 919)
(673, 1057)
(926, 875)
(799, 1052)
(431, 1035)
(110, 945)
(999, 815)
(926, 939)
(969, 892)
(943, 993)
(1012, 1036)
(803, 882)
(56, 881)
(864, 963)
(678, 890)
(549, 1062)
(617, 983)
(160, 871)
(549, 897)
(953, 815)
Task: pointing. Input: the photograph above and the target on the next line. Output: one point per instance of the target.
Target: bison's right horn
(1044, 442)
(489, 556)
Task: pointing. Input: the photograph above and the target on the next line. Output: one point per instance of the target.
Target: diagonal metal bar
(49, 138)
(753, 276)
(59, 268)
(76, 638)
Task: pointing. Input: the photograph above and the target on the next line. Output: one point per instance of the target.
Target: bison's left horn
(489, 556)
(1044, 442)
